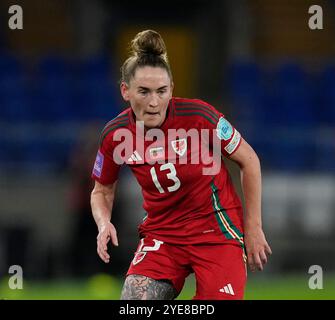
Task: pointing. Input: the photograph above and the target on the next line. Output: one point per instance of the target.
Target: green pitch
(104, 286)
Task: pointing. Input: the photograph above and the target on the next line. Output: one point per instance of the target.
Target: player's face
(149, 92)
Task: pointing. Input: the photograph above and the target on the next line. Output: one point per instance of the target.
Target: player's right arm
(102, 198)
(105, 174)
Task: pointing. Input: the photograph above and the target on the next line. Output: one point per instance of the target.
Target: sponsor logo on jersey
(228, 289)
(231, 146)
(135, 157)
(179, 146)
(157, 153)
(224, 129)
(98, 165)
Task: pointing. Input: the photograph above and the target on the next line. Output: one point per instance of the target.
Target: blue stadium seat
(293, 97)
(247, 91)
(39, 153)
(9, 63)
(283, 105)
(96, 96)
(97, 99)
(326, 95)
(13, 90)
(53, 91)
(96, 66)
(291, 115)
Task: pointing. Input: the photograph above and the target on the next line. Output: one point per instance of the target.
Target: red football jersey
(184, 203)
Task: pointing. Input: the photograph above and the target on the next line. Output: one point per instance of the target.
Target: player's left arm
(256, 245)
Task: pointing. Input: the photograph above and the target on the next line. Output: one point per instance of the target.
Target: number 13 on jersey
(172, 175)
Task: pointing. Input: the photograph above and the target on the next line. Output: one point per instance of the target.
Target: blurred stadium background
(256, 61)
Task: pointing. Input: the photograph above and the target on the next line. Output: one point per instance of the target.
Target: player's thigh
(220, 272)
(139, 287)
(157, 261)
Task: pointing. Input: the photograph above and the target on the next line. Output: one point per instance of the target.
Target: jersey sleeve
(223, 132)
(105, 169)
(228, 136)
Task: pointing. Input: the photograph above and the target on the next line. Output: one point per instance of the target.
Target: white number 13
(172, 175)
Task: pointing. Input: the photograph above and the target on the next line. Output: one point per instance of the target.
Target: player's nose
(153, 101)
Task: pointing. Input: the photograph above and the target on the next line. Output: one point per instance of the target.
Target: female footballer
(194, 218)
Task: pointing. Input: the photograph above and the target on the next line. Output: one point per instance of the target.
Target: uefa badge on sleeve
(224, 129)
(98, 165)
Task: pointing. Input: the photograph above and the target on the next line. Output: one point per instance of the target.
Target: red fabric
(220, 270)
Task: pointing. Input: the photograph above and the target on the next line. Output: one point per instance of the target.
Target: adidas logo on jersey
(228, 289)
(135, 157)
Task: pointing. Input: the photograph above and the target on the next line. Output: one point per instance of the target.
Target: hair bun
(148, 42)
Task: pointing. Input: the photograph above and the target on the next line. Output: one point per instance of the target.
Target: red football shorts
(220, 269)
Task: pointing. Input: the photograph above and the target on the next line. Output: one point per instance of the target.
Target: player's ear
(124, 91)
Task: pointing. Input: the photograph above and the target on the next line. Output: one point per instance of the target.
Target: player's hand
(106, 232)
(257, 248)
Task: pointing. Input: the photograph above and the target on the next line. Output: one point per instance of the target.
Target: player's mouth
(152, 113)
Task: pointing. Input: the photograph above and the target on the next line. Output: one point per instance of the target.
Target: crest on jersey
(224, 130)
(179, 146)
